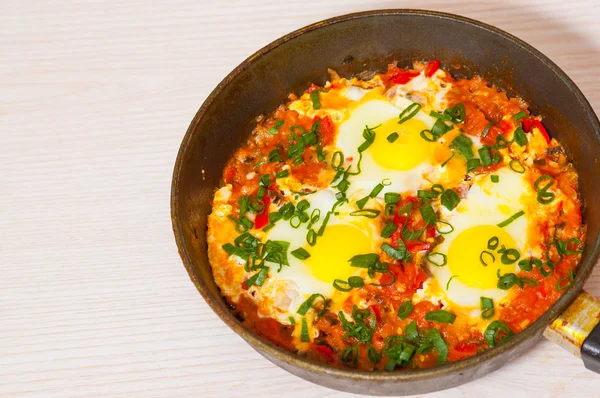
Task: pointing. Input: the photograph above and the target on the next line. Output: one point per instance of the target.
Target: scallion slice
(520, 115)
(304, 337)
(405, 309)
(511, 219)
(450, 199)
(392, 137)
(487, 307)
(441, 316)
(409, 112)
(489, 255)
(438, 259)
(300, 253)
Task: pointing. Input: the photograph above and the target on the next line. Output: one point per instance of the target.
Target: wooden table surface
(95, 97)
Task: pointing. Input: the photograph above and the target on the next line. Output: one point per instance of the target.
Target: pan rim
(290, 358)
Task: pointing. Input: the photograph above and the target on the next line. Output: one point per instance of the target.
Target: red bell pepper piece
(377, 313)
(402, 76)
(327, 130)
(325, 351)
(529, 124)
(432, 67)
(263, 219)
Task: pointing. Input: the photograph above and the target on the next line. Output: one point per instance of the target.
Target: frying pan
(351, 44)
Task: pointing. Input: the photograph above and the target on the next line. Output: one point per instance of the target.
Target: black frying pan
(370, 41)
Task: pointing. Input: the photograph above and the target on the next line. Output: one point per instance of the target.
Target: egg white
(487, 203)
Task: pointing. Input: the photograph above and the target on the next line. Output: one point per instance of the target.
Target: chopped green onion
(259, 278)
(428, 135)
(441, 316)
(440, 128)
(304, 337)
(442, 116)
(274, 156)
(428, 214)
(389, 209)
(473, 164)
(450, 199)
(369, 213)
(443, 231)
(438, 262)
(412, 235)
(337, 160)
(309, 303)
(509, 256)
(282, 174)
(405, 309)
(457, 113)
(484, 155)
(464, 145)
(495, 178)
(388, 230)
(501, 142)
(314, 97)
(364, 260)
(560, 284)
(511, 219)
(292, 320)
(373, 355)
(391, 197)
(409, 112)
(490, 254)
(400, 253)
(311, 237)
(497, 332)
(434, 337)
(516, 166)
(529, 281)
(486, 129)
(356, 281)
(487, 307)
(508, 280)
(337, 284)
(303, 205)
(392, 137)
(493, 242)
(519, 116)
(447, 160)
(496, 158)
(350, 356)
(450, 280)
(362, 202)
(519, 136)
(376, 190)
(300, 253)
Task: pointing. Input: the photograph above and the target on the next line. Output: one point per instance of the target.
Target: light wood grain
(95, 97)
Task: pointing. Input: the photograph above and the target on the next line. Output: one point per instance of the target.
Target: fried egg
(469, 273)
(344, 237)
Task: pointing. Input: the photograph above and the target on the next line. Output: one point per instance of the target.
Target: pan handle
(578, 330)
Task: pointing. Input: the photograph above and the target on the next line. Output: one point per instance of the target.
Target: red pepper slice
(263, 219)
(327, 130)
(529, 124)
(325, 351)
(377, 313)
(432, 67)
(403, 76)
(417, 246)
(312, 88)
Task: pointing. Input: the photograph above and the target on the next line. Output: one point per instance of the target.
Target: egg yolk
(329, 258)
(465, 252)
(407, 151)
